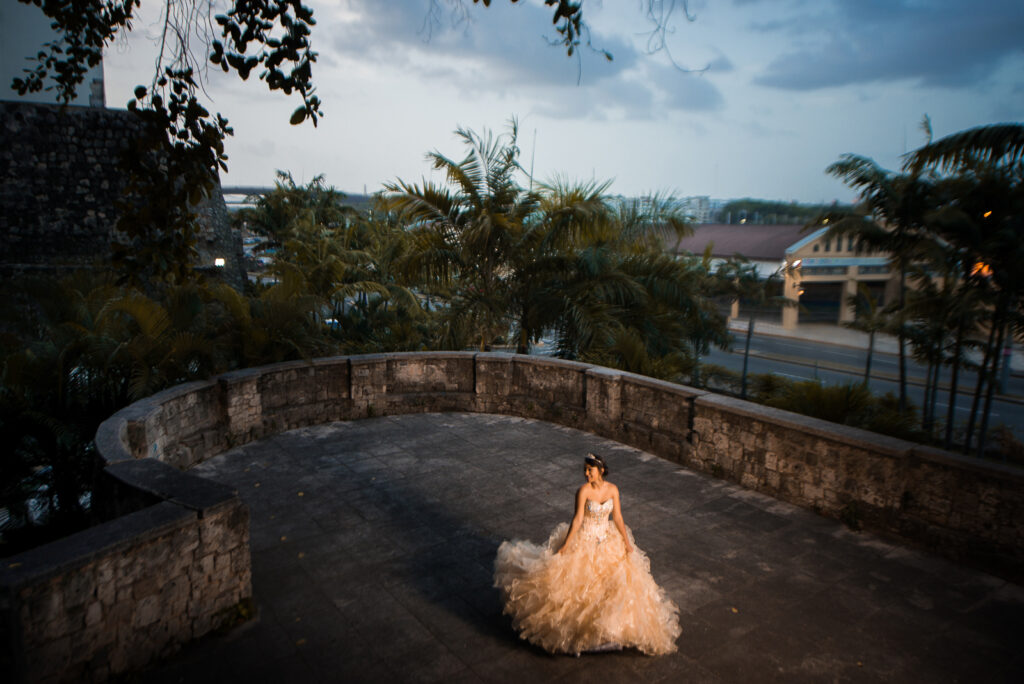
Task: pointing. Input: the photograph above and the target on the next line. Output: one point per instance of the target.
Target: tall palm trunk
(951, 411)
(746, 355)
(935, 394)
(926, 418)
(871, 353)
(979, 387)
(523, 344)
(903, 340)
(993, 380)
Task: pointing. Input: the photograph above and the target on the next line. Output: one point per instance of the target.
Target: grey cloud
(944, 43)
(502, 51)
(651, 92)
(623, 97)
(507, 39)
(720, 65)
(693, 92)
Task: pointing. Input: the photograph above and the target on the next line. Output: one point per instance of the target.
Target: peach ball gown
(592, 597)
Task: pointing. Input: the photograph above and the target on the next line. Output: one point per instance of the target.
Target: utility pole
(533, 154)
(1004, 372)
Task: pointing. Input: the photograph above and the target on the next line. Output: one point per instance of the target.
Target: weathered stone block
(147, 611)
(93, 614)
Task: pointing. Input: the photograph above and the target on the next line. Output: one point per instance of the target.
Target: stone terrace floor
(373, 541)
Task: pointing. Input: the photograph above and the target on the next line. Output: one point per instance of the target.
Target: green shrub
(765, 387)
(1010, 448)
(720, 378)
(846, 404)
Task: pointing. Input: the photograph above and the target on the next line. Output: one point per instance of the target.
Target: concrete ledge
(164, 482)
(111, 539)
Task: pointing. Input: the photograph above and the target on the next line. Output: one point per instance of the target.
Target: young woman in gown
(588, 588)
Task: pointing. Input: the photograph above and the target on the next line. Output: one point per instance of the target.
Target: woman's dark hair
(598, 462)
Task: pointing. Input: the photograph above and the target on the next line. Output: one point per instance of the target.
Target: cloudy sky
(751, 98)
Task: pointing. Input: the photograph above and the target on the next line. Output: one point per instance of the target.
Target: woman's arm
(617, 519)
(577, 519)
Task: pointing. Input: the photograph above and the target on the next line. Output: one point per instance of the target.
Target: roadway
(803, 359)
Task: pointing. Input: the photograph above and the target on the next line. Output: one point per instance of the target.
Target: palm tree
(928, 311)
(869, 317)
(965, 312)
(563, 258)
(568, 215)
(740, 279)
(591, 297)
(994, 146)
(281, 213)
(465, 235)
(890, 218)
(982, 216)
(609, 294)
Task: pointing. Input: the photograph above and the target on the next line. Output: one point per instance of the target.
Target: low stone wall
(117, 596)
(172, 567)
(114, 597)
(962, 507)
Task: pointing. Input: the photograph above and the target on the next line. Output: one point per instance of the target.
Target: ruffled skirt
(593, 597)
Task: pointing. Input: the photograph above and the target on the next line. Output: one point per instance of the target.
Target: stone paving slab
(373, 543)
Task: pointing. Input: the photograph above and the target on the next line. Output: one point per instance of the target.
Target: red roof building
(755, 242)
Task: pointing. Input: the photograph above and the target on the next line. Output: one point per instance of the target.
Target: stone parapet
(82, 608)
(961, 507)
(114, 597)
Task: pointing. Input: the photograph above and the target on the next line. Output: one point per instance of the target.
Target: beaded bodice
(595, 525)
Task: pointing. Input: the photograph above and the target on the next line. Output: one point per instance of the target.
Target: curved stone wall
(176, 564)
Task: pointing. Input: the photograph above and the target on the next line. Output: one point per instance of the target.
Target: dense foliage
(478, 262)
(767, 212)
(952, 221)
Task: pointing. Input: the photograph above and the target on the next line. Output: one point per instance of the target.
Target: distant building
(699, 208)
(824, 272)
(818, 272)
(764, 246)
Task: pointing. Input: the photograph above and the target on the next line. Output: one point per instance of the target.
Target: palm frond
(993, 144)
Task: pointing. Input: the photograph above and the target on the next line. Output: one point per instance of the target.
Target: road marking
(992, 414)
(959, 408)
(802, 349)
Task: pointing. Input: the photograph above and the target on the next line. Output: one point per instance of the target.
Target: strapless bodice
(595, 525)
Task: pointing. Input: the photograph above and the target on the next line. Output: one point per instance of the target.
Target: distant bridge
(236, 195)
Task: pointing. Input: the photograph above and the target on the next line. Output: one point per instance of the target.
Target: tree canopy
(770, 212)
(177, 163)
